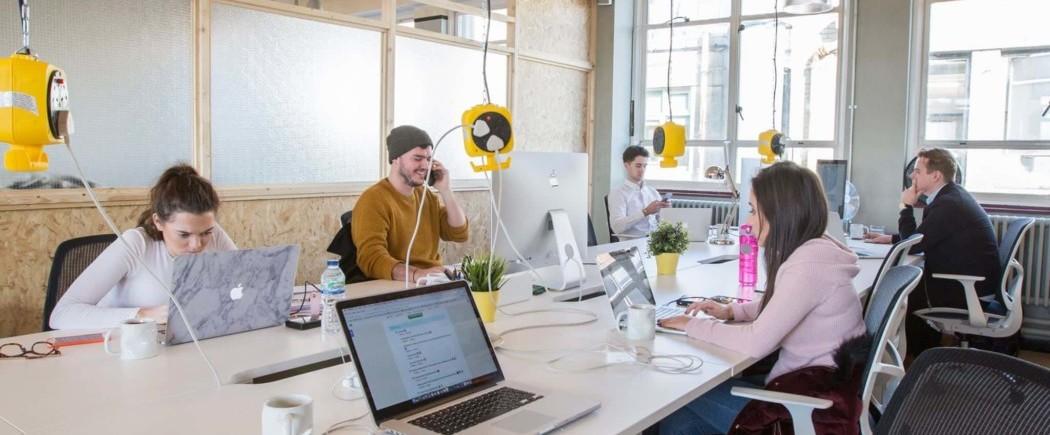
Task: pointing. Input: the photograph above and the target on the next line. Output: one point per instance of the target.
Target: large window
(986, 85)
(723, 86)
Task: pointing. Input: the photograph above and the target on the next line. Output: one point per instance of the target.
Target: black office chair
(987, 317)
(969, 391)
(612, 237)
(71, 258)
(592, 238)
(343, 246)
(889, 305)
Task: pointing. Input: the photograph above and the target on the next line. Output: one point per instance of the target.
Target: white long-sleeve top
(626, 205)
(115, 286)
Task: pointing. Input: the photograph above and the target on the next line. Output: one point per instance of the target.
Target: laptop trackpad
(525, 421)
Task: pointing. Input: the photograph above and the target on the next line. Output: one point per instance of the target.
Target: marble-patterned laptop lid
(232, 291)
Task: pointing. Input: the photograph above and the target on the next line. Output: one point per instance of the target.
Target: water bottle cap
(332, 263)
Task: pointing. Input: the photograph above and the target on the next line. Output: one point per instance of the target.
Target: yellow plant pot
(666, 264)
(486, 302)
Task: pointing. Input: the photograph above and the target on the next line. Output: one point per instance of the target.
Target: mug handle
(619, 319)
(105, 342)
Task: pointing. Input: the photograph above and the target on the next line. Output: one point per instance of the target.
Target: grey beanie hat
(404, 138)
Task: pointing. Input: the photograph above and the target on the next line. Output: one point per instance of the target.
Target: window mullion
(734, 82)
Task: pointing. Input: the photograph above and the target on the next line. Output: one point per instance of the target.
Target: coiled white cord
(64, 131)
(13, 425)
(423, 200)
(676, 364)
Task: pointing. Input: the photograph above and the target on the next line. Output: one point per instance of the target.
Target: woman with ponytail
(809, 307)
(180, 220)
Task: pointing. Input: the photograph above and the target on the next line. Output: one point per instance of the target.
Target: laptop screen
(624, 278)
(417, 346)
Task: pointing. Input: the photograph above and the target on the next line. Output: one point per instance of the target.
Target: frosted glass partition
(293, 100)
(129, 64)
(434, 85)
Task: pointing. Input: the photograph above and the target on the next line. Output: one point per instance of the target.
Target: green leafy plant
(476, 272)
(668, 238)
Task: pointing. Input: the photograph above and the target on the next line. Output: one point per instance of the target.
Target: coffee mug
(289, 414)
(138, 339)
(856, 231)
(641, 322)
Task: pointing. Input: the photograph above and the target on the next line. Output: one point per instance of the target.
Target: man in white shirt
(634, 206)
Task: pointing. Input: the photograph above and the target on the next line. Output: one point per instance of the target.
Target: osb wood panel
(551, 108)
(559, 27)
(32, 236)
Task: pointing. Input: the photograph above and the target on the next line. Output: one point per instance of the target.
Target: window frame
(386, 24)
(916, 125)
(840, 144)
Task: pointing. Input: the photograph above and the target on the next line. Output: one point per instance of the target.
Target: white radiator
(719, 208)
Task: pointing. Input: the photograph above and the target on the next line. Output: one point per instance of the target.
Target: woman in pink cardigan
(809, 306)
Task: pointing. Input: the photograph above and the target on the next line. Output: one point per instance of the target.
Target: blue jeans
(711, 413)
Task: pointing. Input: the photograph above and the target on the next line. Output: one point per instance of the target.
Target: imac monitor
(833, 175)
(535, 184)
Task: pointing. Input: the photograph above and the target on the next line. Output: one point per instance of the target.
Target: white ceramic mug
(856, 231)
(289, 414)
(138, 339)
(641, 322)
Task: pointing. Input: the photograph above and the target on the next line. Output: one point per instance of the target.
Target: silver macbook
(695, 220)
(232, 291)
(427, 367)
(626, 283)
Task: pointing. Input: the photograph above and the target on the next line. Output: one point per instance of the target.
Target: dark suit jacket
(958, 238)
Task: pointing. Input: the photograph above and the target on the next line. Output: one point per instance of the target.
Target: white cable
(116, 231)
(423, 199)
(346, 424)
(12, 425)
(677, 364)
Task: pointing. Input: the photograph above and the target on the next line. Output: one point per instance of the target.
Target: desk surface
(88, 391)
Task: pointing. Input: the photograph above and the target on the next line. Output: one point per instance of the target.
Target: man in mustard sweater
(385, 215)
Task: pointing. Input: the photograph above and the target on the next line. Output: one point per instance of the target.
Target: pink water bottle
(748, 258)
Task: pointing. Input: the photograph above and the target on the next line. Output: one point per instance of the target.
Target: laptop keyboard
(664, 312)
(467, 414)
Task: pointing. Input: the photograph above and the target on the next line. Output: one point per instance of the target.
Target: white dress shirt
(626, 205)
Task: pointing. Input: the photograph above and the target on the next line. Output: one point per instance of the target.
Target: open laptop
(427, 367)
(232, 291)
(835, 230)
(626, 283)
(696, 220)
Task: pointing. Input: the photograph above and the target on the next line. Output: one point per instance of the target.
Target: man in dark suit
(958, 238)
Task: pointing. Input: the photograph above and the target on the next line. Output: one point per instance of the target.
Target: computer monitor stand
(573, 280)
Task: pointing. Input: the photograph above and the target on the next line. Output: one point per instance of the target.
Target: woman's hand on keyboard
(711, 308)
(676, 322)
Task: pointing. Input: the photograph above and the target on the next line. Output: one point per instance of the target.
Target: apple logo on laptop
(237, 293)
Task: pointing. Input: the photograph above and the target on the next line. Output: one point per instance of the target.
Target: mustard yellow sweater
(382, 224)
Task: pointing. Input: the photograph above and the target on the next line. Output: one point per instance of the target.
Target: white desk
(87, 391)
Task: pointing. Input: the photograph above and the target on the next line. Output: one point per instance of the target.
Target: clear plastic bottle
(748, 258)
(333, 287)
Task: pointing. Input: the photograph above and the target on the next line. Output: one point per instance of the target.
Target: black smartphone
(435, 175)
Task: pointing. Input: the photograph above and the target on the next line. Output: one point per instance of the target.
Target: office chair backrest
(956, 391)
(592, 238)
(1008, 246)
(71, 258)
(343, 246)
(895, 257)
(886, 312)
(612, 238)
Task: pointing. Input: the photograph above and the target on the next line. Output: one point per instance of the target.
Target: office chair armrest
(800, 407)
(973, 303)
(626, 237)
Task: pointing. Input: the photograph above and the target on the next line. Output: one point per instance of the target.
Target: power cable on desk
(679, 364)
(350, 424)
(9, 423)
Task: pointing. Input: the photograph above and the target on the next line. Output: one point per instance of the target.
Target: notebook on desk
(427, 367)
(232, 291)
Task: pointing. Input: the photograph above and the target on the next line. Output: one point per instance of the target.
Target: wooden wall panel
(32, 236)
(558, 27)
(551, 108)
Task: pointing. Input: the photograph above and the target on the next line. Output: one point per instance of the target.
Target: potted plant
(667, 242)
(484, 274)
